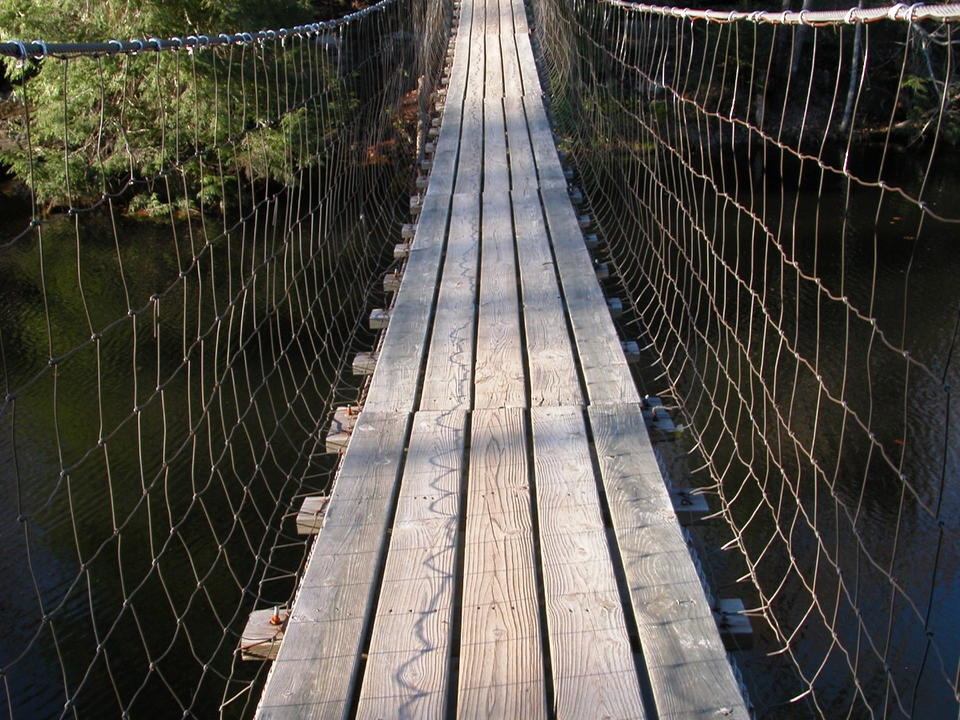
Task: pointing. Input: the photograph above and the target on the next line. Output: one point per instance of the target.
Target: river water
(147, 479)
(845, 544)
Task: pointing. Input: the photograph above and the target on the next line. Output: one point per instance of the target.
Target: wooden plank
(316, 667)
(512, 81)
(519, 17)
(496, 173)
(449, 375)
(493, 85)
(394, 384)
(523, 170)
(501, 661)
(684, 655)
(594, 675)
(606, 371)
(407, 670)
(498, 373)
(528, 66)
(553, 373)
(470, 168)
(443, 173)
(544, 149)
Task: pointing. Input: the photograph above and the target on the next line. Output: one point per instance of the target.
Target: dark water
(146, 478)
(858, 552)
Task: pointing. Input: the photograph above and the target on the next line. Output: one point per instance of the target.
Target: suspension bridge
(278, 443)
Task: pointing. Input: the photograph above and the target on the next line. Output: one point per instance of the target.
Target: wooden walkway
(500, 542)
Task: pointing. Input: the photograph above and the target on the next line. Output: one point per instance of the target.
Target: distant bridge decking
(499, 542)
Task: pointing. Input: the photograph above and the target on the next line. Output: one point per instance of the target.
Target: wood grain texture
(315, 670)
(394, 384)
(523, 169)
(501, 662)
(553, 373)
(519, 17)
(470, 167)
(498, 374)
(407, 670)
(605, 369)
(594, 675)
(684, 655)
(449, 375)
(541, 139)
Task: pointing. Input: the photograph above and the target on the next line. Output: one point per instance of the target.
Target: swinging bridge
(278, 444)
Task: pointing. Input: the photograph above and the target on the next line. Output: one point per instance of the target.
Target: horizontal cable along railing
(777, 192)
(187, 249)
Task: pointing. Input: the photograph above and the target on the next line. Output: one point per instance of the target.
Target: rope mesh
(777, 195)
(182, 289)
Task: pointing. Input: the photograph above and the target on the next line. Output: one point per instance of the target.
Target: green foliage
(78, 127)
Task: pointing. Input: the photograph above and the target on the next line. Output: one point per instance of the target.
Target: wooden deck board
(605, 368)
(684, 656)
(334, 598)
(496, 218)
(501, 661)
(407, 671)
(594, 675)
(499, 376)
(449, 376)
(553, 373)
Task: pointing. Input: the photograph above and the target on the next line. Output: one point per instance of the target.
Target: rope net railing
(777, 194)
(191, 232)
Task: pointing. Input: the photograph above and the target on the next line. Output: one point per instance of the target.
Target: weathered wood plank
(394, 384)
(496, 173)
(684, 656)
(553, 373)
(470, 168)
(315, 669)
(498, 373)
(523, 170)
(407, 670)
(501, 661)
(493, 86)
(605, 369)
(519, 17)
(528, 66)
(449, 375)
(512, 81)
(544, 147)
(594, 674)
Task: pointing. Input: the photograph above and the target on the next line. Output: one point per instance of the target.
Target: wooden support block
(426, 164)
(408, 231)
(416, 203)
(401, 251)
(379, 318)
(584, 221)
(310, 515)
(442, 92)
(391, 281)
(433, 132)
(631, 350)
(735, 629)
(603, 271)
(422, 182)
(568, 173)
(435, 122)
(576, 197)
(365, 363)
(591, 241)
(616, 307)
(658, 419)
(689, 506)
(429, 148)
(262, 634)
(338, 435)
